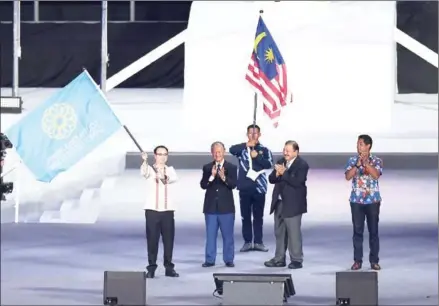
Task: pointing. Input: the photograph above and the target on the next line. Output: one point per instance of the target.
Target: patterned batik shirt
(365, 189)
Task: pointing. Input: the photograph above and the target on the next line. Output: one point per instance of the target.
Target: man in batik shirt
(364, 170)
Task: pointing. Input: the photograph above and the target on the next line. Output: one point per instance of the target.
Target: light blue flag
(64, 129)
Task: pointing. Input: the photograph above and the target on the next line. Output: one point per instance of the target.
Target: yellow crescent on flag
(258, 39)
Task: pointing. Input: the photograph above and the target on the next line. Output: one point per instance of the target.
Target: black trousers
(160, 223)
(369, 213)
(252, 203)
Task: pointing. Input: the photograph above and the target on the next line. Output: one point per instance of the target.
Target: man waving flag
(267, 73)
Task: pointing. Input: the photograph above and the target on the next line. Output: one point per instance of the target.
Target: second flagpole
(255, 107)
(255, 97)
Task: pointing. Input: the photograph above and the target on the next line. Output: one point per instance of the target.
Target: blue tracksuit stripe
(270, 158)
(244, 165)
(262, 183)
(244, 161)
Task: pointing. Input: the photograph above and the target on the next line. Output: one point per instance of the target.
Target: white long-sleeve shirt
(159, 196)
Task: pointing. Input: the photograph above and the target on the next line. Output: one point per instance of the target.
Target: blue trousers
(225, 223)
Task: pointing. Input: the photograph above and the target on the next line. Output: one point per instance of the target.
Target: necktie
(218, 168)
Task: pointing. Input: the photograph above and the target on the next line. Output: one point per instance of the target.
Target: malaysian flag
(267, 73)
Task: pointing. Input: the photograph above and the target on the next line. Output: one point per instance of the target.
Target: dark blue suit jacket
(218, 198)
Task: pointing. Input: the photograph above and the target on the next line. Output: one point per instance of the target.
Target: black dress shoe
(275, 264)
(295, 265)
(171, 273)
(150, 274)
(230, 264)
(207, 264)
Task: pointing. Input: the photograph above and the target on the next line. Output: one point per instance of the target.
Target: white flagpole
(16, 47)
(104, 45)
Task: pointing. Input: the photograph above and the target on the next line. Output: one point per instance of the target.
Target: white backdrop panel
(340, 58)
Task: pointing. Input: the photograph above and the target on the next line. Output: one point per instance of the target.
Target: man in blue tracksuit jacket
(252, 192)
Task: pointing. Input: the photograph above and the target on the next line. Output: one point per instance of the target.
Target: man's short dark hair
(366, 139)
(160, 147)
(294, 144)
(254, 126)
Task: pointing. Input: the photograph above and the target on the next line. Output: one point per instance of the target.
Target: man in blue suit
(253, 159)
(219, 180)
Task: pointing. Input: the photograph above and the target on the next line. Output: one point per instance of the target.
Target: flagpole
(16, 48)
(104, 45)
(255, 107)
(255, 97)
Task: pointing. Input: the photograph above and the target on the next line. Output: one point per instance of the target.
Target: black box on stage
(254, 289)
(356, 288)
(124, 288)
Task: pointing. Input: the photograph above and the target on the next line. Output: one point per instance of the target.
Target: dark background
(54, 53)
(417, 19)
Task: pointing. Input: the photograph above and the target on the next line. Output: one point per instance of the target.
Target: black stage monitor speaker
(254, 289)
(356, 288)
(124, 288)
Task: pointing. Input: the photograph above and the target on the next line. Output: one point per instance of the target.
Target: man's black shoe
(171, 273)
(275, 264)
(295, 265)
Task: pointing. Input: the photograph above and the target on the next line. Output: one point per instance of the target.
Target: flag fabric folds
(267, 73)
(65, 128)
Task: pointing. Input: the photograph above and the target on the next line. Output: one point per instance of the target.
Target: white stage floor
(64, 264)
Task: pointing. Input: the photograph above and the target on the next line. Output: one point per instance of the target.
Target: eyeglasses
(162, 154)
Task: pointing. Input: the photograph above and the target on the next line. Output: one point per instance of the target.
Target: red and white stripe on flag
(273, 93)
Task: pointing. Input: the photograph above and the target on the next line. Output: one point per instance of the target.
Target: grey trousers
(288, 235)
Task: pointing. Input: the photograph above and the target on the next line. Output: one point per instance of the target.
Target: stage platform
(64, 264)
